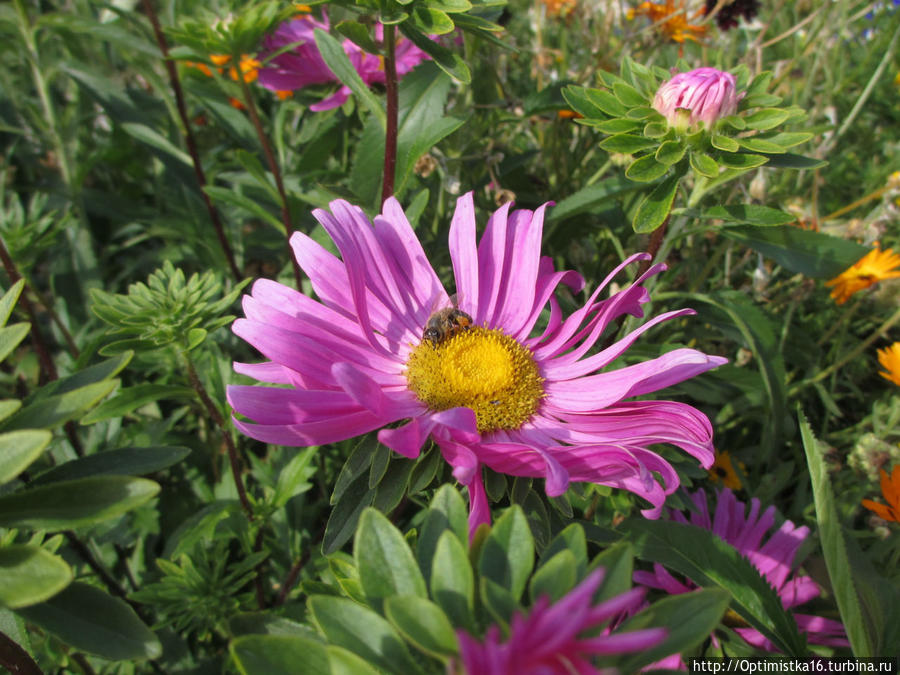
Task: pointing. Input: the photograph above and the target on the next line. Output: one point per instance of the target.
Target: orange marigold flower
(219, 59)
(890, 488)
(889, 358)
(672, 21)
(559, 7)
(202, 67)
(875, 266)
(723, 471)
(283, 94)
(249, 68)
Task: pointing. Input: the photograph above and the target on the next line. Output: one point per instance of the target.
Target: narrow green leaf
(507, 556)
(93, 621)
(592, 197)
(154, 139)
(20, 448)
(618, 125)
(56, 410)
(791, 161)
(279, 655)
(336, 59)
(448, 61)
(606, 101)
(656, 206)
(447, 511)
(453, 581)
(788, 139)
(11, 336)
(432, 21)
(423, 624)
(121, 462)
(580, 102)
(626, 143)
(709, 561)
(293, 479)
(75, 503)
(9, 299)
(345, 515)
(754, 144)
(655, 129)
(361, 631)
(30, 574)
(741, 160)
(385, 562)
(751, 214)
(132, 398)
(359, 34)
(628, 95)
(646, 169)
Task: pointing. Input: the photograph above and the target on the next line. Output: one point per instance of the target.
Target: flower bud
(707, 93)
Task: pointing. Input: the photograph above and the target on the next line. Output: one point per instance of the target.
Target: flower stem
(273, 167)
(390, 134)
(189, 140)
(217, 419)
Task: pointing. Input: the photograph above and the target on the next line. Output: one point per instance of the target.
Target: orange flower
(559, 7)
(672, 21)
(283, 94)
(890, 488)
(875, 266)
(889, 358)
(236, 103)
(568, 115)
(723, 471)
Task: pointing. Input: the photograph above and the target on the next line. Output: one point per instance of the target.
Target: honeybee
(445, 323)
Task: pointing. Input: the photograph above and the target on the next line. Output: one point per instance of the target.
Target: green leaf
(670, 152)
(755, 144)
(385, 562)
(18, 449)
(766, 118)
(628, 95)
(554, 578)
(590, 198)
(704, 164)
(195, 338)
(656, 206)
(618, 563)
(507, 556)
(121, 462)
(447, 511)
(570, 539)
(606, 101)
(154, 139)
(792, 161)
(11, 336)
(8, 407)
(55, 410)
(93, 621)
(864, 600)
(293, 479)
(423, 624)
(724, 143)
(646, 169)
(789, 140)
(709, 561)
(344, 662)
(132, 398)
(688, 618)
(361, 631)
(812, 254)
(432, 21)
(448, 61)
(9, 299)
(91, 375)
(751, 214)
(453, 581)
(345, 515)
(336, 59)
(75, 503)
(741, 160)
(617, 126)
(626, 143)
(29, 574)
(655, 129)
(279, 655)
(451, 6)
(359, 34)
(580, 102)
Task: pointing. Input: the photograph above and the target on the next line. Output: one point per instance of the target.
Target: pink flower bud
(709, 94)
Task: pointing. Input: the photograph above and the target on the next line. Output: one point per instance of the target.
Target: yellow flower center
(481, 369)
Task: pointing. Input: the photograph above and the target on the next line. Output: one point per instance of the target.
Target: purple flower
(504, 381)
(773, 558)
(547, 641)
(706, 94)
(303, 65)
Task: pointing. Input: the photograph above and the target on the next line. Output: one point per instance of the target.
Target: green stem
(390, 135)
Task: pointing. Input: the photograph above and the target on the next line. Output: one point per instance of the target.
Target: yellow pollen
(481, 369)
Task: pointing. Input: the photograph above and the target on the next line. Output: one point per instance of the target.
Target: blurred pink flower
(501, 383)
(709, 94)
(547, 641)
(303, 65)
(774, 560)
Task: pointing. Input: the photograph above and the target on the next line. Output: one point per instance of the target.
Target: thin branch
(189, 140)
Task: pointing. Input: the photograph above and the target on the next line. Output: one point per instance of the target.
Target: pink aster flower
(547, 641)
(774, 559)
(707, 94)
(303, 65)
(497, 383)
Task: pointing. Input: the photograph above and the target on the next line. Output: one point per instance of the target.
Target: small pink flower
(303, 65)
(505, 380)
(547, 642)
(774, 559)
(708, 94)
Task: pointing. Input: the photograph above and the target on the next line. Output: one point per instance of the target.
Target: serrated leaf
(423, 624)
(812, 254)
(361, 631)
(93, 621)
(656, 206)
(18, 449)
(75, 503)
(386, 564)
(507, 556)
(121, 462)
(279, 655)
(708, 561)
(29, 574)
